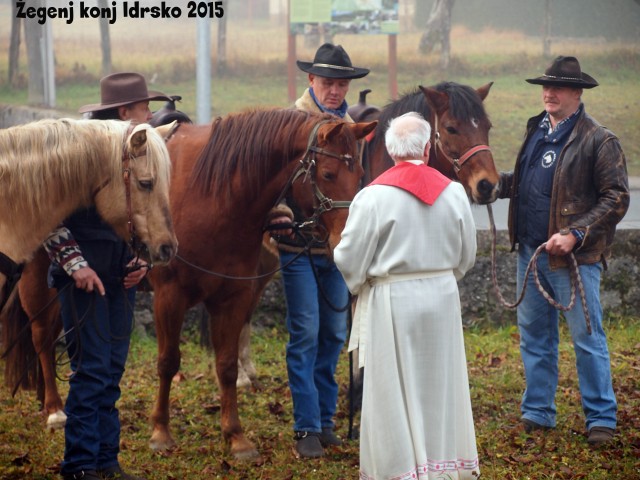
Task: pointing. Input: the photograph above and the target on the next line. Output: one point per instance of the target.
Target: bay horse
(459, 136)
(225, 178)
(459, 149)
(50, 168)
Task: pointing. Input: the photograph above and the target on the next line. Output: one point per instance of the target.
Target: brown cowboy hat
(331, 61)
(565, 72)
(120, 89)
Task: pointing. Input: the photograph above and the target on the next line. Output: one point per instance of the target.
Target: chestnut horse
(459, 137)
(225, 178)
(50, 168)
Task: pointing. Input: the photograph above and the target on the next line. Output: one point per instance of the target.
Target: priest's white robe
(403, 258)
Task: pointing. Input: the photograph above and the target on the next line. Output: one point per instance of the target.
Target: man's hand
(87, 279)
(560, 244)
(137, 270)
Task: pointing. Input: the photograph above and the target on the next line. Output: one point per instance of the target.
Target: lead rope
(574, 273)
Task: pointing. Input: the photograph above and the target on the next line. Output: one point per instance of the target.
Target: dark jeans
(97, 332)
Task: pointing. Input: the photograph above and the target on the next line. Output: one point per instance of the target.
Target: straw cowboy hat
(331, 61)
(120, 89)
(565, 72)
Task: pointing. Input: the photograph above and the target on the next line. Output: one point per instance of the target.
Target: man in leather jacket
(569, 189)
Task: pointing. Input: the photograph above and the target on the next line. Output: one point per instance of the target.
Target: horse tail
(20, 356)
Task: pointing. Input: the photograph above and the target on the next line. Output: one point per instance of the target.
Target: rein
(457, 163)
(574, 273)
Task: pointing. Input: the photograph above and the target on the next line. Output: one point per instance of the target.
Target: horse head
(335, 172)
(138, 207)
(460, 138)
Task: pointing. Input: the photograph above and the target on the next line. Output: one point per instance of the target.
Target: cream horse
(50, 168)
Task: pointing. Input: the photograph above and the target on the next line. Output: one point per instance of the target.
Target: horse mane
(47, 161)
(412, 101)
(464, 102)
(242, 142)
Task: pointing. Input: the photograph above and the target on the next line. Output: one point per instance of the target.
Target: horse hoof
(243, 382)
(251, 455)
(56, 421)
(161, 444)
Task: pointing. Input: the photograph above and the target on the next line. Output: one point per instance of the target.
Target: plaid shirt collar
(545, 123)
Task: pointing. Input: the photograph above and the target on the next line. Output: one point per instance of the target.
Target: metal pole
(48, 67)
(203, 71)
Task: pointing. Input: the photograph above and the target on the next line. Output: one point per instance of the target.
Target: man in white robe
(409, 237)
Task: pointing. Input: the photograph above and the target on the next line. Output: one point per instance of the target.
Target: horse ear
(137, 140)
(484, 90)
(333, 132)
(439, 101)
(361, 130)
(167, 130)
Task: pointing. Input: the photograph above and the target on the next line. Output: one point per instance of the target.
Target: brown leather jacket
(590, 189)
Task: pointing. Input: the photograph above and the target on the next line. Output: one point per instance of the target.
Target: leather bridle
(307, 170)
(457, 163)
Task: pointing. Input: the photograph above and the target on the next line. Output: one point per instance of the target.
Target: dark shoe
(308, 444)
(328, 437)
(530, 426)
(82, 475)
(600, 435)
(116, 473)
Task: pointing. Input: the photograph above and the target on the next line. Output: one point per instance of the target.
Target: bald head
(407, 136)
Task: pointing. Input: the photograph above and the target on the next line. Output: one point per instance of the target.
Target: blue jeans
(317, 334)
(538, 324)
(98, 351)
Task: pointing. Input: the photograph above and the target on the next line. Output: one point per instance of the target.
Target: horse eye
(146, 184)
(452, 131)
(329, 176)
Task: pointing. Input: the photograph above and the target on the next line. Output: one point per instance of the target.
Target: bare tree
(105, 41)
(14, 47)
(546, 42)
(34, 34)
(438, 30)
(222, 42)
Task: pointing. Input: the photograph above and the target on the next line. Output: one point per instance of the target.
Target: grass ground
(506, 452)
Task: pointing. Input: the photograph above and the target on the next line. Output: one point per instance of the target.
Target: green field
(164, 51)
(496, 378)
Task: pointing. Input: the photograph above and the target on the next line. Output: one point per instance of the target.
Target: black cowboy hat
(120, 89)
(331, 61)
(565, 72)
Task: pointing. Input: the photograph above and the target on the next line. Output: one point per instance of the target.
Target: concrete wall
(11, 115)
(620, 288)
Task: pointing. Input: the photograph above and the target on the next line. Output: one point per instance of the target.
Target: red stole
(422, 181)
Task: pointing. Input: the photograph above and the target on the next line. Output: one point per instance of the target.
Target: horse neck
(37, 213)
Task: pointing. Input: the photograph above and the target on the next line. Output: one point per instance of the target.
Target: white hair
(407, 136)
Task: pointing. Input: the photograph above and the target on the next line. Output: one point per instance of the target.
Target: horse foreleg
(44, 330)
(40, 304)
(169, 315)
(227, 321)
(247, 374)
(268, 263)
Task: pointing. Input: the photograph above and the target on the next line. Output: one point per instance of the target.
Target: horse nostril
(485, 187)
(166, 252)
